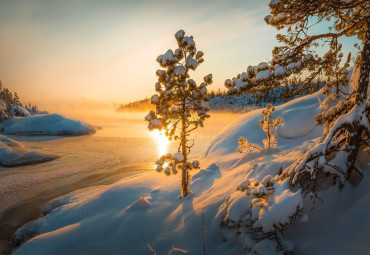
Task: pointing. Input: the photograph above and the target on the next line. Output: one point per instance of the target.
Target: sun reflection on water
(161, 140)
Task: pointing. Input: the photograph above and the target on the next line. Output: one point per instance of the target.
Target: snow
(179, 70)
(240, 84)
(263, 75)
(273, 2)
(188, 41)
(294, 66)
(14, 153)
(178, 156)
(246, 102)
(180, 34)
(141, 203)
(199, 54)
(208, 78)
(263, 66)
(235, 192)
(154, 99)
(167, 58)
(155, 123)
(203, 90)
(280, 71)
(23, 112)
(264, 247)
(49, 124)
(282, 205)
(191, 63)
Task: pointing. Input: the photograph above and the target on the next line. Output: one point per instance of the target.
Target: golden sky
(92, 53)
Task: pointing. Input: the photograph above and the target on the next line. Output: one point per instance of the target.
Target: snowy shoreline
(46, 124)
(14, 153)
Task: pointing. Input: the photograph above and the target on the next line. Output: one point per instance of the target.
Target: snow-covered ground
(14, 153)
(117, 218)
(46, 124)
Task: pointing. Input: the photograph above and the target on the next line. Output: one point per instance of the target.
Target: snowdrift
(299, 117)
(13, 153)
(116, 218)
(48, 124)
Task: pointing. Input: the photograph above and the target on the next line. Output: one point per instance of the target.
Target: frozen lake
(122, 147)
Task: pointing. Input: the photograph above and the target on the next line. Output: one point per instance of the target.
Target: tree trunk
(365, 67)
(361, 98)
(185, 172)
(268, 132)
(356, 129)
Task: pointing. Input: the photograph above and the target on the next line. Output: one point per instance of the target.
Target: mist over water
(121, 147)
(122, 144)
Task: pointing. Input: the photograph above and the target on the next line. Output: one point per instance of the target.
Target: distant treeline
(139, 105)
(220, 100)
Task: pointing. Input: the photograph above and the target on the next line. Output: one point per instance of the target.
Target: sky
(91, 54)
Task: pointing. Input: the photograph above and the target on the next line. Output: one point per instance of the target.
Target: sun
(161, 140)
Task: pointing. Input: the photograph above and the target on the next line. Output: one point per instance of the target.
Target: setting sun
(161, 140)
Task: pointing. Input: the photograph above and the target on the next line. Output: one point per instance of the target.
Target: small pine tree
(270, 124)
(245, 147)
(16, 99)
(179, 103)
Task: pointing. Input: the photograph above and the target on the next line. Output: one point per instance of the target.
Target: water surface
(122, 147)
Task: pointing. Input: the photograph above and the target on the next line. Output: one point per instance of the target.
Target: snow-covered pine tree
(7, 99)
(269, 124)
(346, 116)
(180, 107)
(16, 99)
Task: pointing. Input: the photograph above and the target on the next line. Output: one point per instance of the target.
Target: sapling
(269, 124)
(245, 147)
(180, 105)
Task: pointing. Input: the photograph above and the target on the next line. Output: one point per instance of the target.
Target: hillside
(228, 191)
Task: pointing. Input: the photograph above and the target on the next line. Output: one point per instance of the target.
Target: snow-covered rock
(14, 153)
(49, 124)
